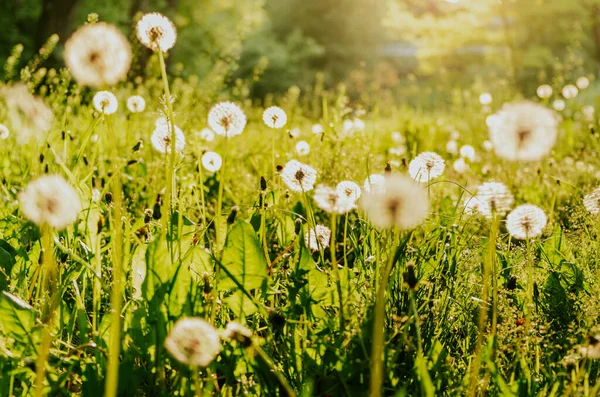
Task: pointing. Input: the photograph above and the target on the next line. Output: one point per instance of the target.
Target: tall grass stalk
(379, 315)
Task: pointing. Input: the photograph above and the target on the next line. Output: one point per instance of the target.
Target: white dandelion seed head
(156, 32)
(591, 201)
(234, 330)
(398, 151)
(485, 99)
(212, 162)
(299, 177)
(136, 104)
(207, 135)
(350, 127)
(374, 183)
(295, 132)
(106, 102)
(349, 189)
(468, 152)
(50, 200)
(524, 131)
(473, 205)
(526, 221)
(402, 204)
(302, 148)
(397, 137)
(454, 135)
(4, 132)
(317, 129)
(570, 91)
(193, 341)
(588, 112)
(452, 147)
(328, 199)
(275, 117)
(495, 197)
(460, 166)
(582, 83)
(426, 167)
(161, 138)
(559, 105)
(318, 238)
(544, 91)
(98, 55)
(227, 119)
(28, 114)
(488, 146)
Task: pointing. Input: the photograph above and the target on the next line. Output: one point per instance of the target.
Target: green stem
(282, 380)
(49, 271)
(112, 378)
(169, 199)
(218, 235)
(379, 322)
(336, 271)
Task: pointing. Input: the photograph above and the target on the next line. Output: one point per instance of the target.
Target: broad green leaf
(240, 304)
(243, 258)
(18, 318)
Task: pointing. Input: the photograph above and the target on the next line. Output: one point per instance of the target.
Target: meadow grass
(229, 249)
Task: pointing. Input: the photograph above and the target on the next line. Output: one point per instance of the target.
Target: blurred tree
(56, 17)
(350, 31)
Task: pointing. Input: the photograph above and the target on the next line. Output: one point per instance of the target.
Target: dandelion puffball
(523, 131)
(349, 189)
(318, 238)
(212, 162)
(526, 221)
(485, 98)
(136, 104)
(106, 102)
(4, 132)
(227, 119)
(401, 204)
(302, 148)
(194, 342)
(468, 152)
(329, 200)
(207, 135)
(570, 91)
(582, 83)
(161, 138)
(98, 55)
(299, 177)
(156, 32)
(50, 200)
(559, 105)
(426, 166)
(495, 197)
(317, 129)
(275, 117)
(544, 91)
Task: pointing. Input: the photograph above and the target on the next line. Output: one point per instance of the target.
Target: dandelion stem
(170, 199)
(334, 267)
(49, 278)
(379, 320)
(112, 378)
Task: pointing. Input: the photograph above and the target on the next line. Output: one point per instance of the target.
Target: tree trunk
(56, 17)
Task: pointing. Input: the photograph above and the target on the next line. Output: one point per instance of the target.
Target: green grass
(174, 268)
